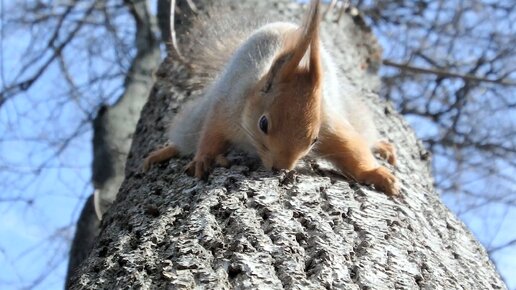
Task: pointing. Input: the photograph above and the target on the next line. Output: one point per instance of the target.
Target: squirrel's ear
(296, 47)
(274, 72)
(307, 38)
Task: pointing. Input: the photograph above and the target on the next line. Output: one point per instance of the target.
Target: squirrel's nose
(279, 166)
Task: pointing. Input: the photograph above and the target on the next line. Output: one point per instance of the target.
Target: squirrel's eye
(315, 140)
(263, 124)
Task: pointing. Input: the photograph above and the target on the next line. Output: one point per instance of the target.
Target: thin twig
(174, 48)
(330, 7)
(445, 73)
(2, 33)
(501, 247)
(192, 5)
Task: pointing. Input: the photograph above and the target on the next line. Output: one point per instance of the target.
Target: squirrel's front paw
(200, 167)
(382, 179)
(386, 151)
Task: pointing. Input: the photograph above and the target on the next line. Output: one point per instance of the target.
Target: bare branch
(25, 84)
(501, 247)
(447, 73)
(173, 46)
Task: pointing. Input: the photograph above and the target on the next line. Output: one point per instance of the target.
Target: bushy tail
(215, 37)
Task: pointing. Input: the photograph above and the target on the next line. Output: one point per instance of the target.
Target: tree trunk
(87, 230)
(248, 228)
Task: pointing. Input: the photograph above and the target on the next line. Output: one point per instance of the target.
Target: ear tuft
(307, 38)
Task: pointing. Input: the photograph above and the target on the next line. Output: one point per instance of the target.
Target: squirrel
(279, 96)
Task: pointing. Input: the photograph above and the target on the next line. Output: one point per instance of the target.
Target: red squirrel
(279, 96)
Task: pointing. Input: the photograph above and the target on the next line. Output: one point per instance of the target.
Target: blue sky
(34, 232)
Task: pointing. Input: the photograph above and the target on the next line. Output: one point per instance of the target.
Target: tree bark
(87, 230)
(248, 228)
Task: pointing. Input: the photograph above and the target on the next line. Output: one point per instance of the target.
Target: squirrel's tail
(215, 37)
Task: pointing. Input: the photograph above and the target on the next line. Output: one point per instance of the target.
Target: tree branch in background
(501, 247)
(90, 47)
(446, 73)
(173, 46)
(20, 86)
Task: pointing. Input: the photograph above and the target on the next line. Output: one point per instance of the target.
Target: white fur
(341, 102)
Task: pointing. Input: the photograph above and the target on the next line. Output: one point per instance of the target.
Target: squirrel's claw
(161, 154)
(199, 167)
(386, 150)
(147, 163)
(222, 161)
(383, 180)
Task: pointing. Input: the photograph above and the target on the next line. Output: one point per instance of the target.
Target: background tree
(109, 73)
(448, 66)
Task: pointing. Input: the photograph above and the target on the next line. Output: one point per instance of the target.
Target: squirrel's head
(284, 122)
(283, 114)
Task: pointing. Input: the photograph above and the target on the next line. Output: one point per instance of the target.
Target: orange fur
(299, 43)
(386, 150)
(343, 146)
(214, 142)
(221, 161)
(159, 155)
(294, 92)
(294, 119)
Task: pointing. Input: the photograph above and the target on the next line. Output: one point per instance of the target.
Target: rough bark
(113, 130)
(248, 228)
(85, 235)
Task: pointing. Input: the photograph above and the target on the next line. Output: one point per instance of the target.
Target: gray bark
(85, 235)
(248, 228)
(113, 130)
